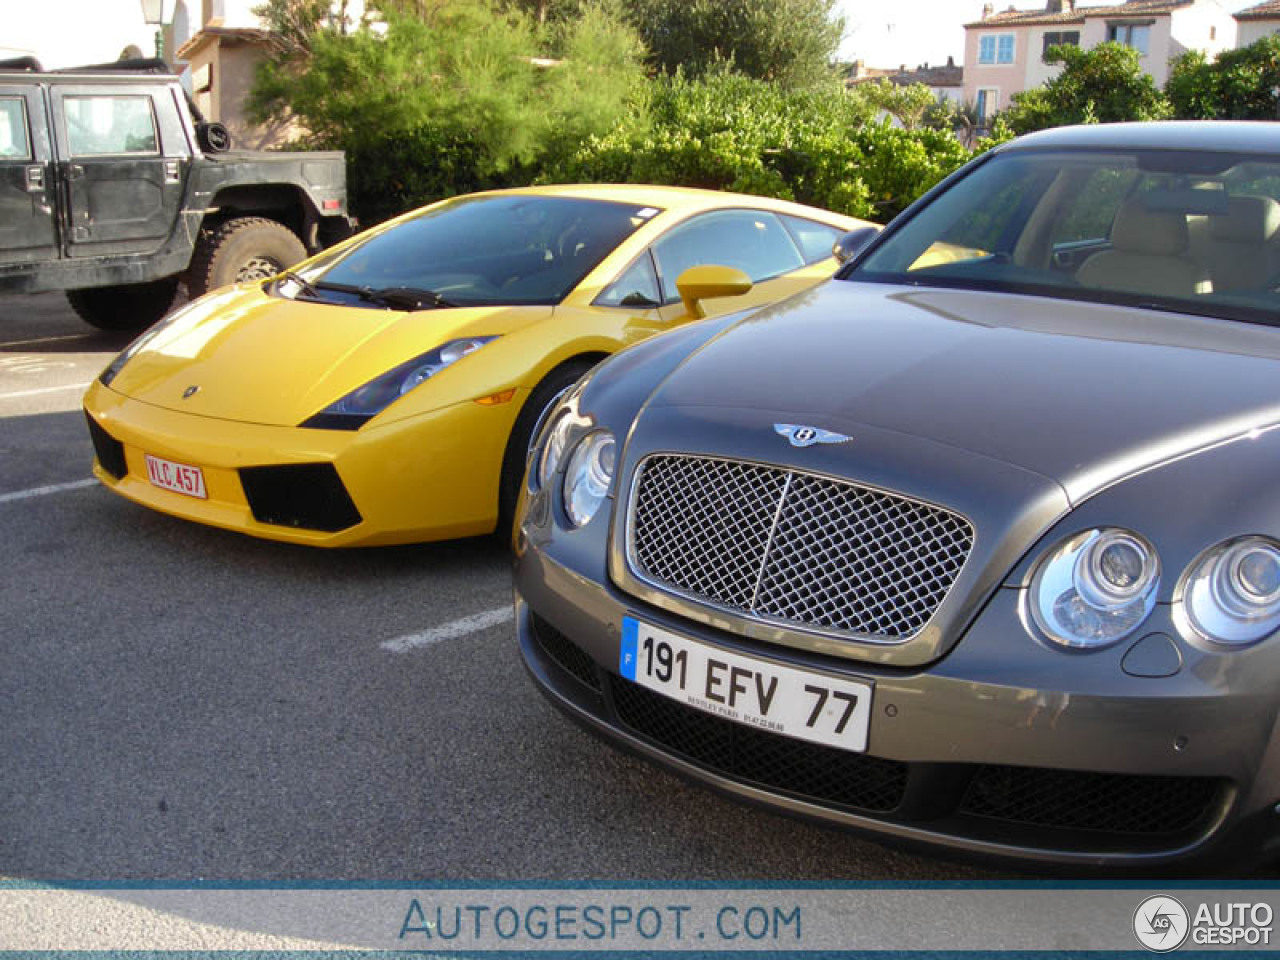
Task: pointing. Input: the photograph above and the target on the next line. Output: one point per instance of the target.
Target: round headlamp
(1095, 588)
(589, 475)
(1231, 595)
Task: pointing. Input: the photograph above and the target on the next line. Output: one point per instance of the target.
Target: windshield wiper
(304, 286)
(405, 298)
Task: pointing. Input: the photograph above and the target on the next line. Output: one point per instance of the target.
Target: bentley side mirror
(853, 243)
(707, 282)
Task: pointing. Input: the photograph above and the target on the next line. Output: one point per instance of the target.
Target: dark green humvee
(114, 189)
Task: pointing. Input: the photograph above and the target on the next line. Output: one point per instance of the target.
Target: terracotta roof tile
(1137, 6)
(1268, 10)
(939, 76)
(1028, 18)
(210, 33)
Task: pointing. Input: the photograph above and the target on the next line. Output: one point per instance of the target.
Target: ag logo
(1161, 924)
(802, 436)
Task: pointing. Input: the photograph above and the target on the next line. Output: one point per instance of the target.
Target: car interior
(510, 249)
(1183, 230)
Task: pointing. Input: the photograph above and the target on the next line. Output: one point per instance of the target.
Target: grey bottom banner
(599, 920)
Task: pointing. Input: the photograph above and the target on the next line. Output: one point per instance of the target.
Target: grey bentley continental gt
(975, 545)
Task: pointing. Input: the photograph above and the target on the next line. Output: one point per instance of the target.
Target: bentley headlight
(1231, 595)
(552, 451)
(366, 402)
(1095, 588)
(589, 475)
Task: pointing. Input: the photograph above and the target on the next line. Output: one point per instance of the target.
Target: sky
(888, 33)
(884, 33)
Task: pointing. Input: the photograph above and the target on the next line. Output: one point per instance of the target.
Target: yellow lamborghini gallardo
(386, 391)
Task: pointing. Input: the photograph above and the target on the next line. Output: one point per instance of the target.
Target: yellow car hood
(260, 359)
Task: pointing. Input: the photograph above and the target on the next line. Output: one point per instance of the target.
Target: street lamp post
(153, 15)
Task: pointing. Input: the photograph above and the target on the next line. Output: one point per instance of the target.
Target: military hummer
(115, 189)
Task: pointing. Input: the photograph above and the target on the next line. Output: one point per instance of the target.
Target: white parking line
(45, 491)
(32, 393)
(23, 343)
(450, 631)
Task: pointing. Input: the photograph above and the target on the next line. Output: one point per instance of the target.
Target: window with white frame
(988, 103)
(1136, 35)
(996, 48)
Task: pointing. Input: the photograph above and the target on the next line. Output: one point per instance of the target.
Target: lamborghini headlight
(1231, 594)
(366, 402)
(1094, 588)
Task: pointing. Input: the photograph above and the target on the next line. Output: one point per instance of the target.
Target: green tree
(436, 98)
(1103, 85)
(790, 41)
(1241, 84)
(999, 133)
(909, 103)
(292, 23)
(546, 11)
(1190, 87)
(961, 118)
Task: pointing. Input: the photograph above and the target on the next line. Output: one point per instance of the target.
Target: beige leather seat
(1236, 247)
(1148, 255)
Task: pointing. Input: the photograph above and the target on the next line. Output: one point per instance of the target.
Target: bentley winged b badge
(802, 436)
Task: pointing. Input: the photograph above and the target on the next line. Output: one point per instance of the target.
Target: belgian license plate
(178, 477)
(794, 703)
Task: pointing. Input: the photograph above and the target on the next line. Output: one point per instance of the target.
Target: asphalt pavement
(185, 703)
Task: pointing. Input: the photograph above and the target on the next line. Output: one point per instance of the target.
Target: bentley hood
(241, 355)
(1003, 410)
(1081, 393)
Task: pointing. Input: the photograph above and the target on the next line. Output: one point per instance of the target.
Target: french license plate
(794, 703)
(178, 477)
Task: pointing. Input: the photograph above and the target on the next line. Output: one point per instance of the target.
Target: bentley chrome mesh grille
(794, 548)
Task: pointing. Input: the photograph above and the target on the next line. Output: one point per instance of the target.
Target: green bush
(1105, 84)
(728, 132)
(1242, 84)
(443, 99)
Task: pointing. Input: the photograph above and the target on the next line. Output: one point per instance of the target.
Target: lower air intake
(568, 655)
(309, 496)
(1082, 800)
(784, 764)
(108, 450)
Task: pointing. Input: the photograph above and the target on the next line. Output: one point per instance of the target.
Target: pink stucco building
(1004, 52)
(1256, 22)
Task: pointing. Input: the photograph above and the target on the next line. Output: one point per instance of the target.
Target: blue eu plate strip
(627, 657)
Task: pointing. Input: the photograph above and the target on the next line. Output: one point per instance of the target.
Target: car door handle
(172, 171)
(74, 171)
(35, 179)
